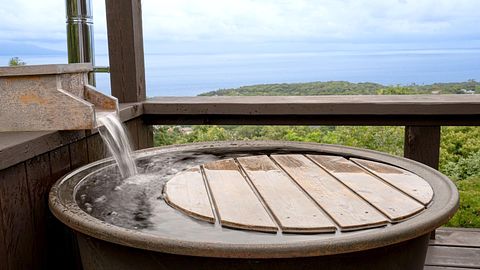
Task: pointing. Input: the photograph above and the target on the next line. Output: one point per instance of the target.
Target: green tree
(16, 61)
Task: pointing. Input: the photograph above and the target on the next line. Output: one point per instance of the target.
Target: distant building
(465, 91)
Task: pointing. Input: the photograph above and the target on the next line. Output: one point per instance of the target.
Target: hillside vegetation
(345, 88)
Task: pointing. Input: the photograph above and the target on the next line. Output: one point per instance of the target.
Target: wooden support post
(125, 46)
(422, 144)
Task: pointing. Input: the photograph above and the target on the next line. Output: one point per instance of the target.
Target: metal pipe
(80, 34)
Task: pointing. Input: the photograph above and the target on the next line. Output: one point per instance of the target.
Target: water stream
(115, 137)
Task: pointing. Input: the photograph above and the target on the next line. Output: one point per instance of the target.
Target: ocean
(192, 74)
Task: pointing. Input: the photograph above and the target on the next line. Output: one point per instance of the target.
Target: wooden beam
(422, 144)
(125, 46)
(424, 110)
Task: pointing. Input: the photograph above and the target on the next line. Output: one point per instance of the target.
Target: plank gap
(334, 222)
(421, 184)
(343, 184)
(388, 200)
(216, 216)
(259, 197)
(373, 174)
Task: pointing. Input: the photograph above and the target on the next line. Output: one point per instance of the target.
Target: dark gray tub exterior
(401, 246)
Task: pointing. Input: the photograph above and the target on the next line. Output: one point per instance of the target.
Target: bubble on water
(101, 199)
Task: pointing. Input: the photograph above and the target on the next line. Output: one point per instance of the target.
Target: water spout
(115, 137)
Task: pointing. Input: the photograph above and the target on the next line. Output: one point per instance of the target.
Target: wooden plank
(132, 132)
(433, 267)
(289, 118)
(422, 144)
(78, 154)
(187, 192)
(236, 203)
(125, 47)
(456, 237)
(145, 134)
(59, 163)
(380, 105)
(96, 148)
(39, 183)
(293, 210)
(62, 249)
(453, 257)
(3, 235)
(391, 202)
(16, 218)
(404, 180)
(315, 110)
(16, 147)
(345, 207)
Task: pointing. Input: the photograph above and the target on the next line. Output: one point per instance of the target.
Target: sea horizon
(182, 74)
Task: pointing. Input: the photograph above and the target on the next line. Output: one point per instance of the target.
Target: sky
(255, 25)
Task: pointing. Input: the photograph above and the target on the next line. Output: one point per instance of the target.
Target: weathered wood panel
(452, 240)
(145, 134)
(78, 153)
(125, 47)
(59, 163)
(132, 132)
(313, 110)
(16, 218)
(406, 181)
(381, 105)
(391, 202)
(62, 246)
(96, 148)
(187, 192)
(457, 237)
(461, 257)
(422, 144)
(432, 267)
(3, 236)
(330, 194)
(236, 203)
(39, 183)
(294, 211)
(16, 147)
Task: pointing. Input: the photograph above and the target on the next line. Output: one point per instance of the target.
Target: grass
(468, 215)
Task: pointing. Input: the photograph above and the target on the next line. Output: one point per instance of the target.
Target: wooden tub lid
(297, 193)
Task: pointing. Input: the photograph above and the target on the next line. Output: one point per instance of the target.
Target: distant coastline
(193, 74)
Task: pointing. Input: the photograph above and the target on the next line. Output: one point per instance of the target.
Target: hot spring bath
(126, 223)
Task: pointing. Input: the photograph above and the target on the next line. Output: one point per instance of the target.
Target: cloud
(43, 22)
(334, 20)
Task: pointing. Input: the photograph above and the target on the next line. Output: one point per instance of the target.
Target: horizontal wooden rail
(411, 110)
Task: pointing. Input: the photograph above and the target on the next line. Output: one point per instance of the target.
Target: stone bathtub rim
(441, 209)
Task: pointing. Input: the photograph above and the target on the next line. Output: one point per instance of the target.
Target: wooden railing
(421, 114)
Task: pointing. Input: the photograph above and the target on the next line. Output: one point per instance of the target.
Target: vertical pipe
(80, 34)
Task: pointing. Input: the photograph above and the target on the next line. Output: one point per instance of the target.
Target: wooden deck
(454, 249)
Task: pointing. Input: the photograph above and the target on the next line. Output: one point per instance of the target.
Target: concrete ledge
(53, 69)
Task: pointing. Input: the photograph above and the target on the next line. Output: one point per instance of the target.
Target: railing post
(125, 47)
(422, 144)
